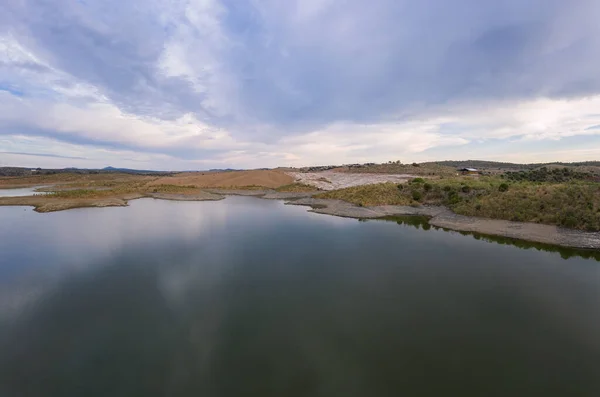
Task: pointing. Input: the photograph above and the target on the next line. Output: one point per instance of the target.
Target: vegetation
(367, 195)
(481, 164)
(545, 174)
(233, 187)
(79, 193)
(416, 195)
(175, 189)
(117, 189)
(425, 169)
(296, 187)
(575, 204)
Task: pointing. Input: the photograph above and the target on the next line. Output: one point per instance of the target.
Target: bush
(416, 195)
(453, 197)
(503, 187)
(569, 221)
(400, 186)
(415, 165)
(466, 189)
(417, 180)
(427, 187)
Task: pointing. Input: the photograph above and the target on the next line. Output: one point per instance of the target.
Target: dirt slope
(266, 178)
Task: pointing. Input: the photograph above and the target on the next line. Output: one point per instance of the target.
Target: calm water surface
(248, 297)
(21, 191)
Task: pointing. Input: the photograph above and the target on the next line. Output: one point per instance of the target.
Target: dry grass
(369, 195)
(71, 178)
(230, 179)
(296, 188)
(428, 169)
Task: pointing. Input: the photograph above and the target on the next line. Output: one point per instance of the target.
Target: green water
(250, 297)
(422, 222)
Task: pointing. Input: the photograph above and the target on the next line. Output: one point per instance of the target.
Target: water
(250, 297)
(22, 191)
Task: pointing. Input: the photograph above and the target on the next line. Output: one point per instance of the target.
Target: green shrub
(427, 187)
(569, 221)
(503, 187)
(417, 180)
(400, 186)
(466, 189)
(453, 198)
(416, 195)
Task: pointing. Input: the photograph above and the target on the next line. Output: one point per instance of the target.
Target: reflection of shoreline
(439, 217)
(422, 222)
(443, 218)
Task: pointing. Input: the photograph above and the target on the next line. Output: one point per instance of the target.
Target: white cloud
(256, 83)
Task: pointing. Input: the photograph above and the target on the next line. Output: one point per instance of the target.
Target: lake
(21, 191)
(251, 297)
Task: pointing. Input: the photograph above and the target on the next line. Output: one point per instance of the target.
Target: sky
(199, 84)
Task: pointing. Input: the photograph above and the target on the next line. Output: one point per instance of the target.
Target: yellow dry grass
(228, 179)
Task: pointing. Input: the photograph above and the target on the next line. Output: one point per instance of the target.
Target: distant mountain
(131, 171)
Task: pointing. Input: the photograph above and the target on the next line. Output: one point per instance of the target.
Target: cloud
(46, 155)
(255, 82)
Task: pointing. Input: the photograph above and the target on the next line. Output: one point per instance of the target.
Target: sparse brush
(573, 204)
(296, 187)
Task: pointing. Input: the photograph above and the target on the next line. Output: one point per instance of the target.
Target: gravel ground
(330, 180)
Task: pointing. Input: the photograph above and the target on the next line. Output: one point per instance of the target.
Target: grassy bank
(118, 189)
(296, 188)
(573, 204)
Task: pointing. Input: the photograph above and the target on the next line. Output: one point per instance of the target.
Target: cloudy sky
(197, 84)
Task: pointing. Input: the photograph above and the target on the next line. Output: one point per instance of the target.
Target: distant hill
(483, 164)
(131, 171)
(14, 171)
(22, 171)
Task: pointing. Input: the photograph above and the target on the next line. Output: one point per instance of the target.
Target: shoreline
(440, 217)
